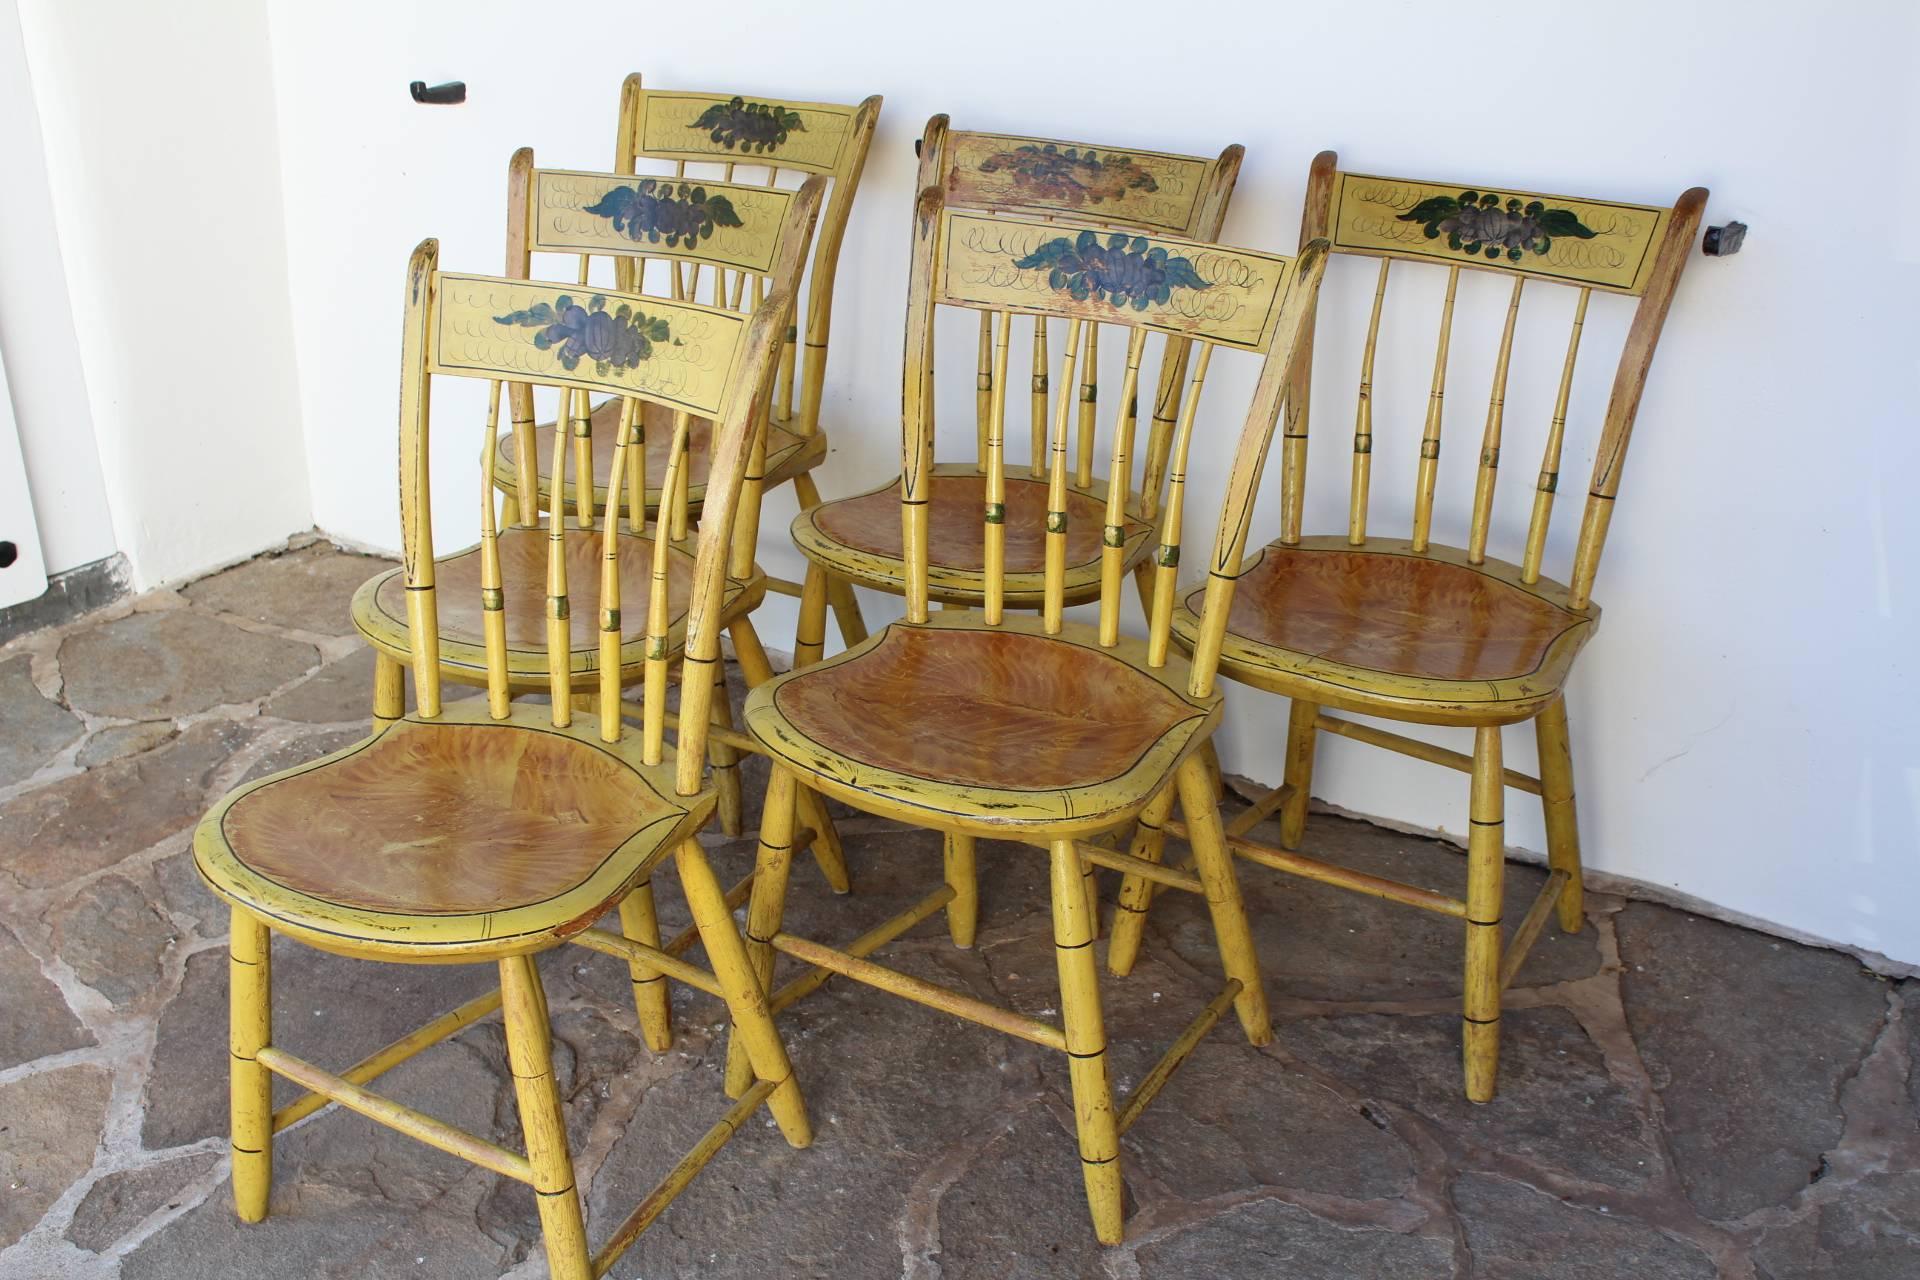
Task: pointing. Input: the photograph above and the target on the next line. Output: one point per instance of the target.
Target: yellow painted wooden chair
(1412, 630)
(1032, 728)
(857, 539)
(724, 135)
(487, 830)
(671, 240)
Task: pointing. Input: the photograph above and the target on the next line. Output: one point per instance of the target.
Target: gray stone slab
(1557, 1103)
(1317, 942)
(85, 823)
(328, 1009)
(1868, 1231)
(300, 748)
(37, 1021)
(308, 589)
(892, 1088)
(1748, 1040)
(32, 728)
(119, 1202)
(1517, 1233)
(120, 740)
(50, 1124)
(152, 666)
(353, 1200)
(112, 938)
(1269, 1240)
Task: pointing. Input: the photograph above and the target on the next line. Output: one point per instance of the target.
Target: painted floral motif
(1073, 176)
(1476, 222)
(750, 126)
(653, 209)
(617, 339)
(1122, 272)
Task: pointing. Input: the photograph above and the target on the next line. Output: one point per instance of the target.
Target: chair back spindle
(1101, 187)
(792, 141)
(1542, 241)
(1205, 295)
(692, 359)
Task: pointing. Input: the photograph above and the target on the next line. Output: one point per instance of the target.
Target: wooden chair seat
(457, 837)
(988, 727)
(380, 605)
(788, 455)
(1380, 630)
(859, 537)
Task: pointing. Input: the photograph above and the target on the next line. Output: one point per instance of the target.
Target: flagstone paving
(1679, 1097)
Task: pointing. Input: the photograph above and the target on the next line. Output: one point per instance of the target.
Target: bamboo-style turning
(1049, 731)
(1412, 629)
(1068, 414)
(519, 828)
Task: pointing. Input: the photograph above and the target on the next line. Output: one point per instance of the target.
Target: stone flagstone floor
(1680, 1098)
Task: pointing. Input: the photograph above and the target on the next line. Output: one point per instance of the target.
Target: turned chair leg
(530, 1055)
(1214, 863)
(389, 689)
(846, 611)
(1099, 1129)
(810, 635)
(1210, 761)
(827, 849)
(766, 907)
(250, 1029)
(846, 606)
(745, 994)
(651, 999)
(963, 913)
(1301, 739)
(1136, 892)
(1563, 829)
(725, 760)
(1486, 865)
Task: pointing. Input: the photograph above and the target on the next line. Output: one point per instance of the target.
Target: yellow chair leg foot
(963, 913)
(250, 1029)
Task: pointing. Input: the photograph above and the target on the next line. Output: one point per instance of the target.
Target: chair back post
(1630, 382)
(916, 402)
(1118, 189)
(1586, 245)
(697, 142)
(834, 216)
(1202, 293)
(1249, 459)
(416, 499)
(1293, 433)
(519, 266)
(799, 229)
(580, 342)
(750, 402)
(1210, 215)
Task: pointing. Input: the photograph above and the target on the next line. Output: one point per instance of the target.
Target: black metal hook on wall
(439, 95)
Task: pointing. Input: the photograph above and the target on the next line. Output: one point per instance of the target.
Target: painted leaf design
(1122, 271)
(1481, 223)
(1073, 176)
(752, 127)
(655, 210)
(617, 339)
